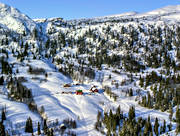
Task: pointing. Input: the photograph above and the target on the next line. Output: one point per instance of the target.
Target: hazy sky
(71, 9)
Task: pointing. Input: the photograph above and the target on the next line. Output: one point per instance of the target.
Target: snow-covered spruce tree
(3, 115)
(45, 127)
(156, 126)
(29, 126)
(2, 129)
(39, 129)
(1, 80)
(171, 112)
(164, 126)
(131, 113)
(148, 127)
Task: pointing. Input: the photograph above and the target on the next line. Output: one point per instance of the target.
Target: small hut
(67, 85)
(94, 89)
(79, 92)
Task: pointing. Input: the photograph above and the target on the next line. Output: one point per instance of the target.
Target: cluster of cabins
(80, 92)
(93, 89)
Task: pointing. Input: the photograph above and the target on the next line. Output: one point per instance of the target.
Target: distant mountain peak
(15, 20)
(167, 9)
(168, 13)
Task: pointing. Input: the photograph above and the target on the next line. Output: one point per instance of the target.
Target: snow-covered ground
(58, 105)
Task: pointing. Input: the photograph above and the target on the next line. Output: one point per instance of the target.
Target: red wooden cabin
(79, 92)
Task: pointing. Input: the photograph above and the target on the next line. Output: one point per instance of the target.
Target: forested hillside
(114, 75)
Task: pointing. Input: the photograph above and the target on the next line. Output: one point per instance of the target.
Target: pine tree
(170, 127)
(47, 44)
(130, 92)
(177, 119)
(164, 126)
(141, 82)
(156, 126)
(45, 127)
(26, 49)
(131, 113)
(35, 33)
(149, 101)
(6, 42)
(1, 80)
(118, 112)
(29, 126)
(2, 129)
(171, 112)
(110, 76)
(3, 115)
(161, 129)
(148, 127)
(51, 132)
(39, 129)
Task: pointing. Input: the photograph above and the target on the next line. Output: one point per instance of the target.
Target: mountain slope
(15, 20)
(167, 13)
(166, 10)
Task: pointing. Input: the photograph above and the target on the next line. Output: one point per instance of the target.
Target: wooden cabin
(94, 90)
(79, 92)
(67, 85)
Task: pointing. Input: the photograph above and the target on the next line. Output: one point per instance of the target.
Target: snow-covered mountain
(166, 10)
(169, 13)
(166, 13)
(14, 20)
(131, 59)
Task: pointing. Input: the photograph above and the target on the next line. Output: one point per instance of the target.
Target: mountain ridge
(133, 14)
(19, 22)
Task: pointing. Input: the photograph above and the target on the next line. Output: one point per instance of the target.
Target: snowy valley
(113, 75)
